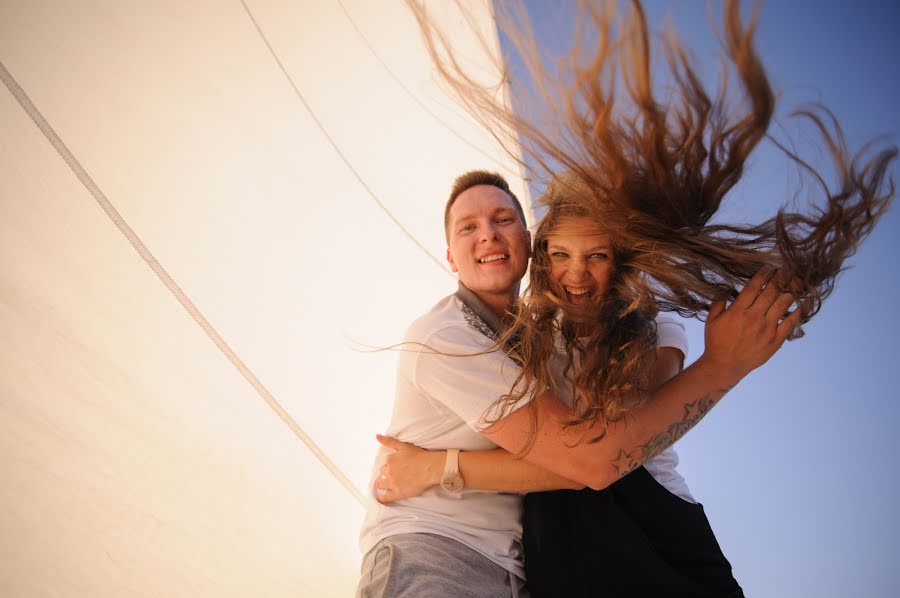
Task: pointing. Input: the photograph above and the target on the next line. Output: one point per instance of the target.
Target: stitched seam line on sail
(416, 99)
(335, 146)
(22, 98)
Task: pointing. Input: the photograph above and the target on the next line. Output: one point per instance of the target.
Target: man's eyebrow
(473, 216)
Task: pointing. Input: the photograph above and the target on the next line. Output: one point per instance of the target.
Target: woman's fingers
(406, 471)
(770, 299)
(766, 297)
(744, 335)
(780, 306)
(716, 309)
(384, 487)
(788, 325)
(388, 442)
(748, 295)
(385, 496)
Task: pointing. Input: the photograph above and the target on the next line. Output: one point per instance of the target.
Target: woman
(644, 535)
(651, 176)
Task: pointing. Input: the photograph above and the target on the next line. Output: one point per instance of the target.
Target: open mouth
(496, 257)
(577, 294)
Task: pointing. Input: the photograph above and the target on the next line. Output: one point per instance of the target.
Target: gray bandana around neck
(478, 314)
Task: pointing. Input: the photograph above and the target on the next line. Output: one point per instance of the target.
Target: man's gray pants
(430, 566)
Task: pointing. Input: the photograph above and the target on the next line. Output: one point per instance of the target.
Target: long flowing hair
(654, 174)
(608, 346)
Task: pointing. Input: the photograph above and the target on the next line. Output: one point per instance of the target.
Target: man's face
(488, 244)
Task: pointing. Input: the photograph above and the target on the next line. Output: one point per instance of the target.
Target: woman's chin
(579, 300)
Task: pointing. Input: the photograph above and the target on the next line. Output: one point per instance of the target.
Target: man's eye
(467, 228)
(506, 220)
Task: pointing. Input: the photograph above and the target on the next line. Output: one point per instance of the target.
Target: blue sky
(795, 468)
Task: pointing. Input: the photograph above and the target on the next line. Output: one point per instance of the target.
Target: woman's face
(581, 259)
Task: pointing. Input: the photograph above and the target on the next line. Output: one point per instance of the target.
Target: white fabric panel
(135, 459)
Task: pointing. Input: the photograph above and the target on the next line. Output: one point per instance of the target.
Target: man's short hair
(473, 178)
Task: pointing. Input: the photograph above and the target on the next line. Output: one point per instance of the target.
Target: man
(451, 541)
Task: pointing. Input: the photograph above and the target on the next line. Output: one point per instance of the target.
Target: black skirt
(633, 539)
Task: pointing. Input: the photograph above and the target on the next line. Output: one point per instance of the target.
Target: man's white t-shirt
(449, 376)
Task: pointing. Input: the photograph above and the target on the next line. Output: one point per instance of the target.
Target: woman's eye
(599, 256)
(559, 254)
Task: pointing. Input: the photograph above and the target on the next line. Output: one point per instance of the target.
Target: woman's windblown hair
(654, 174)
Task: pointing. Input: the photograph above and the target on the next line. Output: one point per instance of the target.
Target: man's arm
(739, 339)
(409, 470)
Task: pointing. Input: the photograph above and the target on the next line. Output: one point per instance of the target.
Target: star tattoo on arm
(626, 461)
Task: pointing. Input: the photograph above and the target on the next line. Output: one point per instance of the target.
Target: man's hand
(407, 470)
(744, 335)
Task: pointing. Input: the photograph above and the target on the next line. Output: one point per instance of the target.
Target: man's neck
(498, 303)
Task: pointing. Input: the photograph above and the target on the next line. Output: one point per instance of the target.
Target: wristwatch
(452, 480)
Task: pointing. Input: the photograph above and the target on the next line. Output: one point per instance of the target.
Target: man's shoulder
(445, 313)
(448, 325)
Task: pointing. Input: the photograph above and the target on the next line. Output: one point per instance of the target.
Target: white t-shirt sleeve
(462, 370)
(670, 333)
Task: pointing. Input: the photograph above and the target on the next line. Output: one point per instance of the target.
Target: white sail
(206, 210)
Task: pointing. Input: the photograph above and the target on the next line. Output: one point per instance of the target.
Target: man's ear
(451, 262)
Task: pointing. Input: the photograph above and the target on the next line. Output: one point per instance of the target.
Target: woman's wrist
(435, 468)
(724, 375)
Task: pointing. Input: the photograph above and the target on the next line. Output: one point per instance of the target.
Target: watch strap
(452, 481)
(451, 465)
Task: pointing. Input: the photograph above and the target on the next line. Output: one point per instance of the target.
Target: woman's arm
(669, 362)
(409, 470)
(739, 338)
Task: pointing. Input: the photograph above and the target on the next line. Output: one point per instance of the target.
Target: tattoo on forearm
(626, 461)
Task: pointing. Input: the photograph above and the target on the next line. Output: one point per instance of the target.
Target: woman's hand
(407, 470)
(744, 335)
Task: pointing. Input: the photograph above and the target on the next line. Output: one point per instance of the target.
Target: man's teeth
(493, 258)
(576, 291)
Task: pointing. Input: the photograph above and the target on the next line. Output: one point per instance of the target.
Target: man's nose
(489, 232)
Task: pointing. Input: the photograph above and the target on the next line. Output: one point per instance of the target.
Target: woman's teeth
(577, 291)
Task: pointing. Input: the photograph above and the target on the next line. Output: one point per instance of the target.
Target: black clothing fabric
(633, 539)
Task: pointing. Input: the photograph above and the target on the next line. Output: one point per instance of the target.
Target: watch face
(452, 482)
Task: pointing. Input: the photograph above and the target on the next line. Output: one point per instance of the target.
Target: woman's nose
(577, 268)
